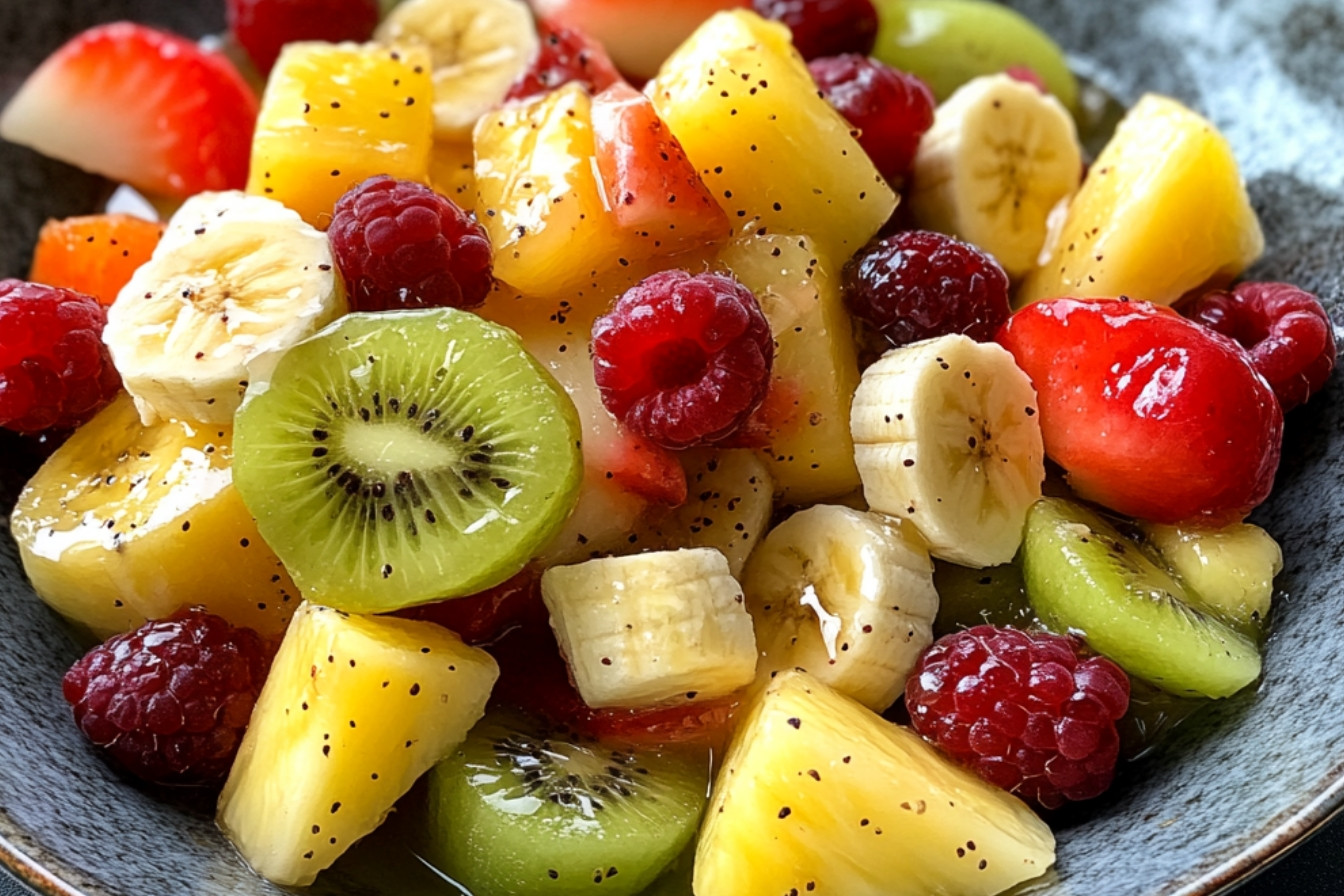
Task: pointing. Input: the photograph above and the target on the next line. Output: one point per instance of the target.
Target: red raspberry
(683, 360)
(55, 372)
(566, 54)
(1288, 333)
(890, 109)
(1024, 711)
(170, 701)
(918, 284)
(400, 245)
(825, 27)
(263, 27)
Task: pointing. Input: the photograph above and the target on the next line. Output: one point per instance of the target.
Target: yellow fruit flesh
(128, 522)
(452, 172)
(811, 453)
(1163, 211)
(335, 114)
(354, 710)
(773, 153)
(819, 795)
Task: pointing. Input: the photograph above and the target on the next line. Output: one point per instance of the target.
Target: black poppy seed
(415, 690)
(785, 812)
(796, 722)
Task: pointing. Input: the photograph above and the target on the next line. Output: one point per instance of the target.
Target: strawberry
(138, 105)
(1149, 414)
(566, 55)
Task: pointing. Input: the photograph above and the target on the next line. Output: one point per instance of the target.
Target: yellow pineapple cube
(335, 114)
(1163, 211)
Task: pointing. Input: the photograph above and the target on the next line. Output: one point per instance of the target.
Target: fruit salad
(730, 448)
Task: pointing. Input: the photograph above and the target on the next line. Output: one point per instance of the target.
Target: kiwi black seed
(1084, 576)
(398, 458)
(523, 809)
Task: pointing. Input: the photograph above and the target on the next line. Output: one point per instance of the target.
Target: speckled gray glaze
(1234, 788)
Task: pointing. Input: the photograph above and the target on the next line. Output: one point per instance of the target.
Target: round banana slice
(845, 595)
(479, 48)
(235, 280)
(999, 157)
(946, 436)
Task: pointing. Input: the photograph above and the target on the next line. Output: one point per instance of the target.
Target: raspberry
(1024, 711)
(890, 109)
(566, 54)
(170, 701)
(55, 372)
(683, 360)
(918, 285)
(1288, 334)
(825, 27)
(400, 245)
(263, 27)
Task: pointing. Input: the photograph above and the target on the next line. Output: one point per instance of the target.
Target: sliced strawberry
(93, 254)
(486, 617)
(141, 106)
(566, 55)
(639, 466)
(652, 188)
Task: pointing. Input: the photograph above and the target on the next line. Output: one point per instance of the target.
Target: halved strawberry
(138, 105)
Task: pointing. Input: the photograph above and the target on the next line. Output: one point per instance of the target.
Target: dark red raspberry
(1024, 711)
(825, 27)
(1288, 334)
(918, 284)
(400, 245)
(890, 109)
(170, 701)
(683, 360)
(55, 372)
(566, 54)
(263, 27)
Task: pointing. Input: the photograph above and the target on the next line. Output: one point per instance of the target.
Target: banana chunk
(946, 436)
(999, 157)
(479, 48)
(845, 595)
(235, 280)
(652, 628)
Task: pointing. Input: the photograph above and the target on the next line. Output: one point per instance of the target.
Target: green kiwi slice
(522, 809)
(1083, 576)
(398, 458)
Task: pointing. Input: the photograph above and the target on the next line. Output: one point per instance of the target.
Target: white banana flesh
(479, 48)
(235, 280)
(649, 629)
(999, 156)
(845, 595)
(946, 436)
(1230, 570)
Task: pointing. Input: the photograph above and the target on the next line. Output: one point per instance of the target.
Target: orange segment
(94, 254)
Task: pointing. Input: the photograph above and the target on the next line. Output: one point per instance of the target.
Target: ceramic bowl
(1236, 786)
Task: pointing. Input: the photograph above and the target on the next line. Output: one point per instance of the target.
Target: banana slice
(234, 281)
(845, 595)
(479, 48)
(999, 157)
(652, 628)
(946, 436)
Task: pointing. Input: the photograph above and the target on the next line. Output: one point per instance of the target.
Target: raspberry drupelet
(683, 360)
(401, 245)
(1023, 710)
(55, 372)
(890, 109)
(825, 27)
(171, 700)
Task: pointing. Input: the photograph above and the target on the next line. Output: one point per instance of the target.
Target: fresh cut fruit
(127, 522)
(1083, 576)
(524, 808)
(355, 709)
(401, 457)
(93, 254)
(819, 794)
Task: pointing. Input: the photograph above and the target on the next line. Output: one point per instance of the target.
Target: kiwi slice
(522, 809)
(1083, 576)
(398, 458)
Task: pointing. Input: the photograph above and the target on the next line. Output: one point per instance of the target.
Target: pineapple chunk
(127, 522)
(1163, 211)
(354, 710)
(335, 114)
(819, 795)
(772, 151)
(809, 450)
